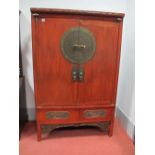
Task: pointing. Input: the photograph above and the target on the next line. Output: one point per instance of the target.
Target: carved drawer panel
(96, 114)
(57, 116)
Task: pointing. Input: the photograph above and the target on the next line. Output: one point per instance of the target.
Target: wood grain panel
(98, 85)
(54, 78)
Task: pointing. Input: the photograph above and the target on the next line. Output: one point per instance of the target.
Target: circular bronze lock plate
(78, 45)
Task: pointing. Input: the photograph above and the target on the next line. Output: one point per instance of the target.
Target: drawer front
(57, 116)
(98, 114)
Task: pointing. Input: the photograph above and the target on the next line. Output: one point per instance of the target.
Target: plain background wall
(126, 84)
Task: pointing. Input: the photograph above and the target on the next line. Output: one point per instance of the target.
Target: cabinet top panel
(75, 12)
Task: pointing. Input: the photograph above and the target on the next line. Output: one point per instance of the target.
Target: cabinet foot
(111, 129)
(38, 132)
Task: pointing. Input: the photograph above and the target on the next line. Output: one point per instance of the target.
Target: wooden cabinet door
(98, 86)
(53, 80)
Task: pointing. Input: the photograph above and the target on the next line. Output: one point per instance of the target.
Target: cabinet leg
(111, 128)
(38, 132)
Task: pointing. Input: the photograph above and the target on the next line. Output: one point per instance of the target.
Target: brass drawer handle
(57, 115)
(94, 113)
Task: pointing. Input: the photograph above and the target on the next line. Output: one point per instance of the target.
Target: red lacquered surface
(54, 88)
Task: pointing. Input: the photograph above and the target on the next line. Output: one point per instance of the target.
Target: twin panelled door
(54, 74)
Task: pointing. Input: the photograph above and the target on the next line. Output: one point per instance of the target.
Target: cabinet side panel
(34, 51)
(117, 62)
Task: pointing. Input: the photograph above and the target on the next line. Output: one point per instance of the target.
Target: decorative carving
(57, 115)
(104, 126)
(78, 45)
(94, 113)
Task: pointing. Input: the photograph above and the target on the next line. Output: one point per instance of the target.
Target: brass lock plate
(78, 45)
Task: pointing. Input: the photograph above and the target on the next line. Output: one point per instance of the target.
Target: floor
(76, 141)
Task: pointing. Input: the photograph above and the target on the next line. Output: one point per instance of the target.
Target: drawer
(97, 114)
(55, 116)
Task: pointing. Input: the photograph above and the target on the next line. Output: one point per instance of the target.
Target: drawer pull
(94, 113)
(57, 115)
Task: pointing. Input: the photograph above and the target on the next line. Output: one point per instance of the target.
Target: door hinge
(35, 14)
(118, 19)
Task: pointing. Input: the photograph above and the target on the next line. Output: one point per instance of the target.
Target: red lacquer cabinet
(76, 58)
